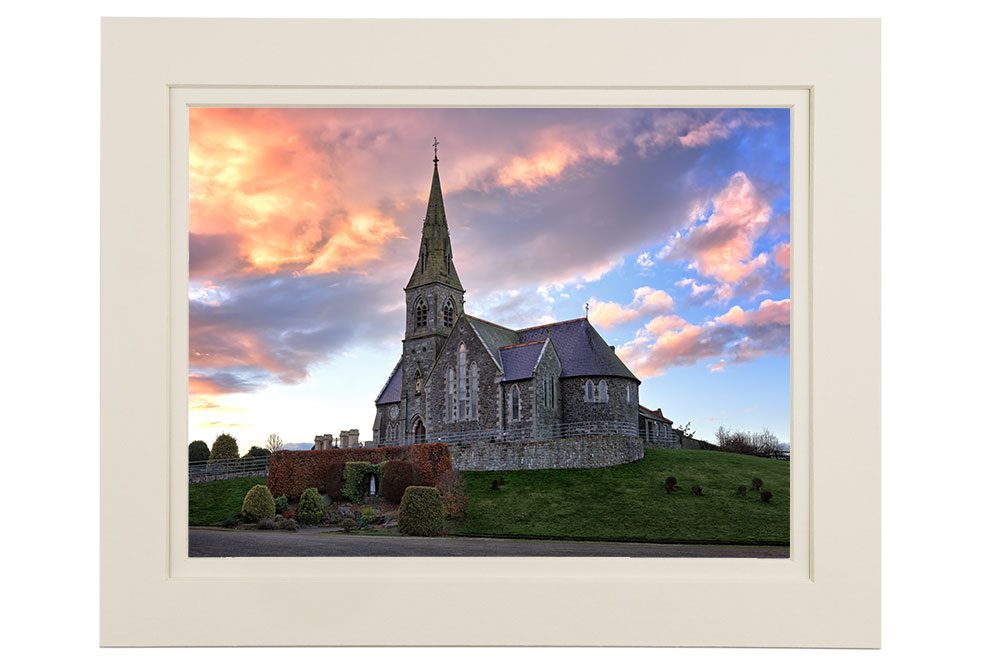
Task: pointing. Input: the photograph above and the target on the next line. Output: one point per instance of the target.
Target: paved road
(320, 542)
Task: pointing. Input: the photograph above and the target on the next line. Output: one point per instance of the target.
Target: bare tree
(760, 443)
(274, 443)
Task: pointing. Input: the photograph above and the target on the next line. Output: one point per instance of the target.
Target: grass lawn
(212, 502)
(628, 502)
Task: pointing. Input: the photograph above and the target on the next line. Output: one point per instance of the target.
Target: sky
(672, 224)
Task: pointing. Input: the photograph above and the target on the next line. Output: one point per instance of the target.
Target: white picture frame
(826, 71)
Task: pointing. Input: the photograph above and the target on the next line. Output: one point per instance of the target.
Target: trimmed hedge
(292, 472)
(224, 447)
(198, 451)
(258, 503)
(396, 476)
(421, 512)
(310, 509)
(335, 481)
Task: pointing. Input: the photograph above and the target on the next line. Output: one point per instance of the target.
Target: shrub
(224, 447)
(335, 480)
(256, 452)
(292, 472)
(258, 503)
(696, 490)
(281, 504)
(356, 474)
(741, 490)
(288, 514)
(310, 510)
(765, 496)
(756, 483)
(421, 512)
(762, 443)
(265, 524)
(496, 484)
(368, 516)
(396, 476)
(348, 525)
(289, 524)
(454, 493)
(230, 522)
(198, 451)
(670, 484)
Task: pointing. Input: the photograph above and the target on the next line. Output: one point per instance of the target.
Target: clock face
(393, 412)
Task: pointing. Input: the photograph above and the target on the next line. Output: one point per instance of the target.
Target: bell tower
(435, 299)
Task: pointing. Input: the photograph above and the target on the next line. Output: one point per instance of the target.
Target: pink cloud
(645, 301)
(734, 337)
(691, 130)
(722, 246)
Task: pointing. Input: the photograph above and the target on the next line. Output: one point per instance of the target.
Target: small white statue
(371, 486)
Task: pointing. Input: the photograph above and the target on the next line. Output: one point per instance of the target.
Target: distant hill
(298, 446)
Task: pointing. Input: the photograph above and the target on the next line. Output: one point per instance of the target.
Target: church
(464, 379)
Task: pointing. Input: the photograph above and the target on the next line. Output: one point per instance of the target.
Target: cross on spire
(435, 144)
(586, 307)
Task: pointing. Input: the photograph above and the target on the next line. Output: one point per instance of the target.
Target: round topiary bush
(670, 484)
(756, 483)
(765, 496)
(258, 503)
(310, 510)
(396, 476)
(281, 504)
(224, 447)
(421, 512)
(696, 490)
(198, 451)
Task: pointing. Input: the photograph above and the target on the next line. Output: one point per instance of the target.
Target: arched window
(420, 313)
(419, 432)
(515, 404)
(474, 391)
(602, 392)
(463, 384)
(588, 394)
(450, 407)
(449, 313)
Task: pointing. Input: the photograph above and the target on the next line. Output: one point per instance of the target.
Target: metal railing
(524, 433)
(207, 471)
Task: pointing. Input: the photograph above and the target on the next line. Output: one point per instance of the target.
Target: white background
(941, 476)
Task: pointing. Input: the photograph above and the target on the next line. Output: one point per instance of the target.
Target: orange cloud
(256, 175)
(646, 301)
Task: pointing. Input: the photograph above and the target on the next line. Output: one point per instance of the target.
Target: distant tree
(274, 443)
(224, 447)
(198, 451)
(255, 452)
(686, 430)
(754, 443)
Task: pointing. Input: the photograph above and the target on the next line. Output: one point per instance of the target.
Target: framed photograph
(579, 326)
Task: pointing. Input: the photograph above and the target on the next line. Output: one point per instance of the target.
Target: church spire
(434, 262)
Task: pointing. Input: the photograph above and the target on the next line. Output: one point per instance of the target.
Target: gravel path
(214, 542)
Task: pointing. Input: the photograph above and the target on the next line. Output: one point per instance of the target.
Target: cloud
(644, 261)
(721, 245)
(734, 337)
(693, 128)
(272, 329)
(645, 301)
(696, 288)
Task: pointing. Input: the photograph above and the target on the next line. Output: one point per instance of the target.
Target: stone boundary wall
(592, 451)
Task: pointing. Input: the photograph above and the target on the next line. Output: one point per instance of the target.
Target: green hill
(629, 503)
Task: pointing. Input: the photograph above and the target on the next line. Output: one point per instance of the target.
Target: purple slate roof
(580, 349)
(519, 360)
(392, 392)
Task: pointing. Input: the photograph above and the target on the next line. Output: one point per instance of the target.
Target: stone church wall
(617, 409)
(593, 451)
(437, 388)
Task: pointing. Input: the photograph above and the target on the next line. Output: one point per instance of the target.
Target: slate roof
(493, 336)
(519, 360)
(655, 415)
(580, 349)
(392, 392)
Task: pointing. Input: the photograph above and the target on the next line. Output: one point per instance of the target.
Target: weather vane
(435, 144)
